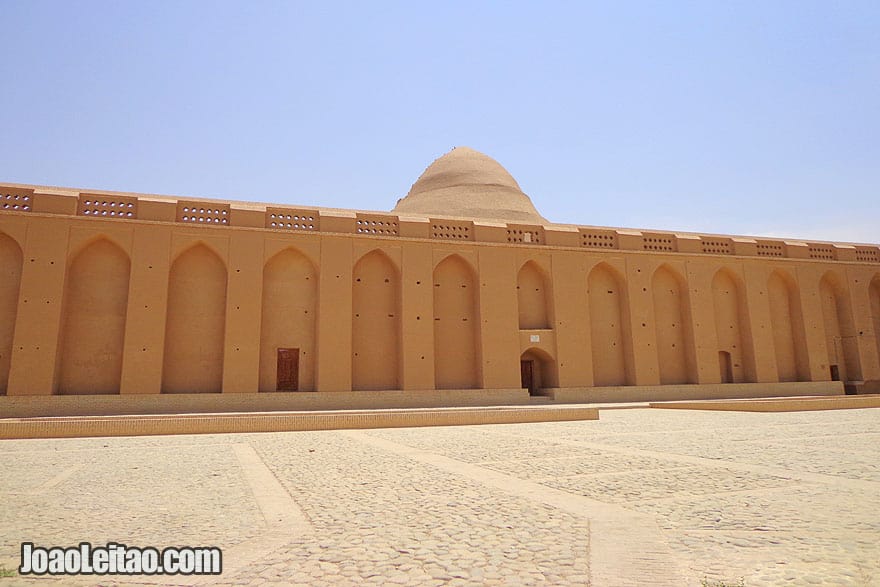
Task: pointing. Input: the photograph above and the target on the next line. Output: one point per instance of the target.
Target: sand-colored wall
(289, 315)
(155, 304)
(10, 280)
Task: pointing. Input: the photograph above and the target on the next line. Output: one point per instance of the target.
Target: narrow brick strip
(81, 426)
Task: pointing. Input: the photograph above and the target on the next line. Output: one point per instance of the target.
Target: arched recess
(787, 321)
(375, 326)
(195, 323)
(533, 297)
(609, 327)
(93, 320)
(456, 326)
(289, 312)
(10, 283)
(731, 328)
(874, 293)
(840, 332)
(538, 370)
(672, 327)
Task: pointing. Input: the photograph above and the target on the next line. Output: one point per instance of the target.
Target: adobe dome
(469, 184)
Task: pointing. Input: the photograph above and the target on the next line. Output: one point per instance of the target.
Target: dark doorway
(288, 370)
(835, 373)
(527, 373)
(726, 366)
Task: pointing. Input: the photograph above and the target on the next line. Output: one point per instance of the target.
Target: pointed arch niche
(93, 319)
(10, 284)
(533, 297)
(840, 331)
(787, 321)
(195, 323)
(609, 327)
(456, 325)
(375, 327)
(731, 328)
(672, 327)
(874, 294)
(289, 313)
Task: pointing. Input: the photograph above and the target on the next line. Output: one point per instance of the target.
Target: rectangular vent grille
(820, 252)
(15, 200)
(717, 246)
(452, 230)
(866, 255)
(530, 235)
(771, 249)
(376, 225)
(107, 206)
(203, 213)
(287, 219)
(659, 242)
(599, 239)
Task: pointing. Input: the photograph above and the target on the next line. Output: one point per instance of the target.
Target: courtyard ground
(640, 497)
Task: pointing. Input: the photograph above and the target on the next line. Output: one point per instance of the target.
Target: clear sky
(723, 117)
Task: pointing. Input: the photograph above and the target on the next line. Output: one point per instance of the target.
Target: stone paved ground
(641, 497)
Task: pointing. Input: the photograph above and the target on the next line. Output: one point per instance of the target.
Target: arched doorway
(537, 371)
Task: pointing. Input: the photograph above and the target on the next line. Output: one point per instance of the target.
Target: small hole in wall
(355, 354)
(423, 357)
(238, 307)
(418, 283)
(238, 270)
(418, 317)
(144, 349)
(51, 262)
(387, 280)
(149, 266)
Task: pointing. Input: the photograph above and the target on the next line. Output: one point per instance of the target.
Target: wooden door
(288, 370)
(527, 374)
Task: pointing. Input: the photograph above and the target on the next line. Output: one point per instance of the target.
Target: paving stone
(773, 498)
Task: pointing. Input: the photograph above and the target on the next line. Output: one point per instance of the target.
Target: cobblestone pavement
(641, 497)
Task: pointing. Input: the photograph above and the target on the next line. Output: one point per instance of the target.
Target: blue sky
(722, 117)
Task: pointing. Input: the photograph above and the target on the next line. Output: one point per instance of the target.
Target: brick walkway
(641, 497)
